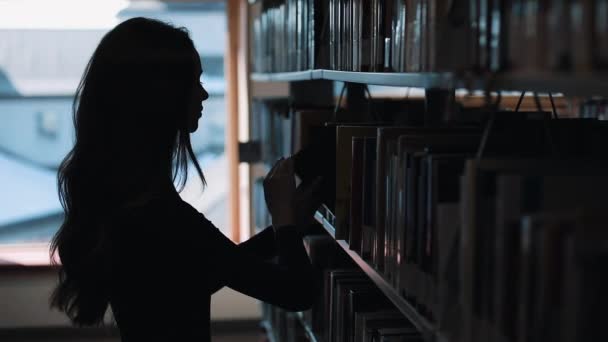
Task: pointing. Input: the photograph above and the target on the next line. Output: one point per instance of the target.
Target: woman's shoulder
(160, 208)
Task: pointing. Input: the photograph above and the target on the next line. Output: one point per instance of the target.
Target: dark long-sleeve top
(168, 260)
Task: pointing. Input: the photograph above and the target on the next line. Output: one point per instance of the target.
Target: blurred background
(44, 48)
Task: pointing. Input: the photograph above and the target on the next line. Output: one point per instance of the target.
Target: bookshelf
(407, 309)
(417, 80)
(493, 64)
(582, 84)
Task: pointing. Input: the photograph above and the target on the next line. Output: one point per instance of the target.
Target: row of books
(349, 306)
(405, 207)
(532, 240)
(272, 129)
(286, 35)
(411, 200)
(430, 35)
(594, 108)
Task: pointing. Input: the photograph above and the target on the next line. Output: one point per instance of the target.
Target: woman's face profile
(199, 94)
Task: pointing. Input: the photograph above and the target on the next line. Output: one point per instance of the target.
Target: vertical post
(232, 124)
(355, 96)
(244, 169)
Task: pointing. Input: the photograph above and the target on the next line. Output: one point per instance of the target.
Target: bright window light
(59, 14)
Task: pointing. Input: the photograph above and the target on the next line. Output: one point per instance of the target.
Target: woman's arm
(288, 283)
(261, 244)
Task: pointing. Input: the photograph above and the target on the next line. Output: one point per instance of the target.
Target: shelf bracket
(439, 105)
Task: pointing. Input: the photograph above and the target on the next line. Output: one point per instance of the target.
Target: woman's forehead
(198, 63)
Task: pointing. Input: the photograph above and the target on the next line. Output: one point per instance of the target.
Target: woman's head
(140, 96)
(139, 99)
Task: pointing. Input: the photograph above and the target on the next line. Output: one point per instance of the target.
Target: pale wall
(24, 301)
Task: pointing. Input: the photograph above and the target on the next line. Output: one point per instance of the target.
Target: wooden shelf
(306, 75)
(418, 80)
(581, 84)
(421, 323)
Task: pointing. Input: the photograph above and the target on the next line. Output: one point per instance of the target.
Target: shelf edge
(326, 225)
(421, 323)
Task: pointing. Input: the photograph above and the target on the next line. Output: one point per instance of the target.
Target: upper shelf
(418, 80)
(574, 84)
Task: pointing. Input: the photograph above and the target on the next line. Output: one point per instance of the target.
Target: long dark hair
(130, 118)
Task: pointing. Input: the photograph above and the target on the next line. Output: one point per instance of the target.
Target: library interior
(452, 150)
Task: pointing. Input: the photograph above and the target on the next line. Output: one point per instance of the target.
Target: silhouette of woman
(128, 241)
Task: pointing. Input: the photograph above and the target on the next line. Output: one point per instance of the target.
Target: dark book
(332, 34)
(363, 297)
(329, 276)
(483, 33)
(515, 29)
(507, 247)
(545, 185)
(356, 189)
(413, 35)
(584, 282)
(409, 239)
(368, 231)
(497, 34)
(398, 335)
(447, 33)
(559, 56)
(443, 172)
(390, 251)
(365, 50)
(542, 238)
(368, 322)
(398, 43)
(321, 250)
(386, 148)
(581, 19)
(475, 34)
(600, 35)
(448, 227)
(337, 299)
(341, 316)
(319, 34)
(343, 161)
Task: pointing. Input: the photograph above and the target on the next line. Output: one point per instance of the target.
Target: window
(44, 49)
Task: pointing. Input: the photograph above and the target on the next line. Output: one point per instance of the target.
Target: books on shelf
(490, 307)
(430, 35)
(474, 242)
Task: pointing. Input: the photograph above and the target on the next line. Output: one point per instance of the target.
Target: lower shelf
(427, 329)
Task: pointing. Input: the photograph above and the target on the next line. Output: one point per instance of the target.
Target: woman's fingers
(274, 169)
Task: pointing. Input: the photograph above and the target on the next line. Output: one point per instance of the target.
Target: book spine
(356, 205)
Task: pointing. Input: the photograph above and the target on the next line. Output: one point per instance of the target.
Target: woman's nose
(205, 94)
